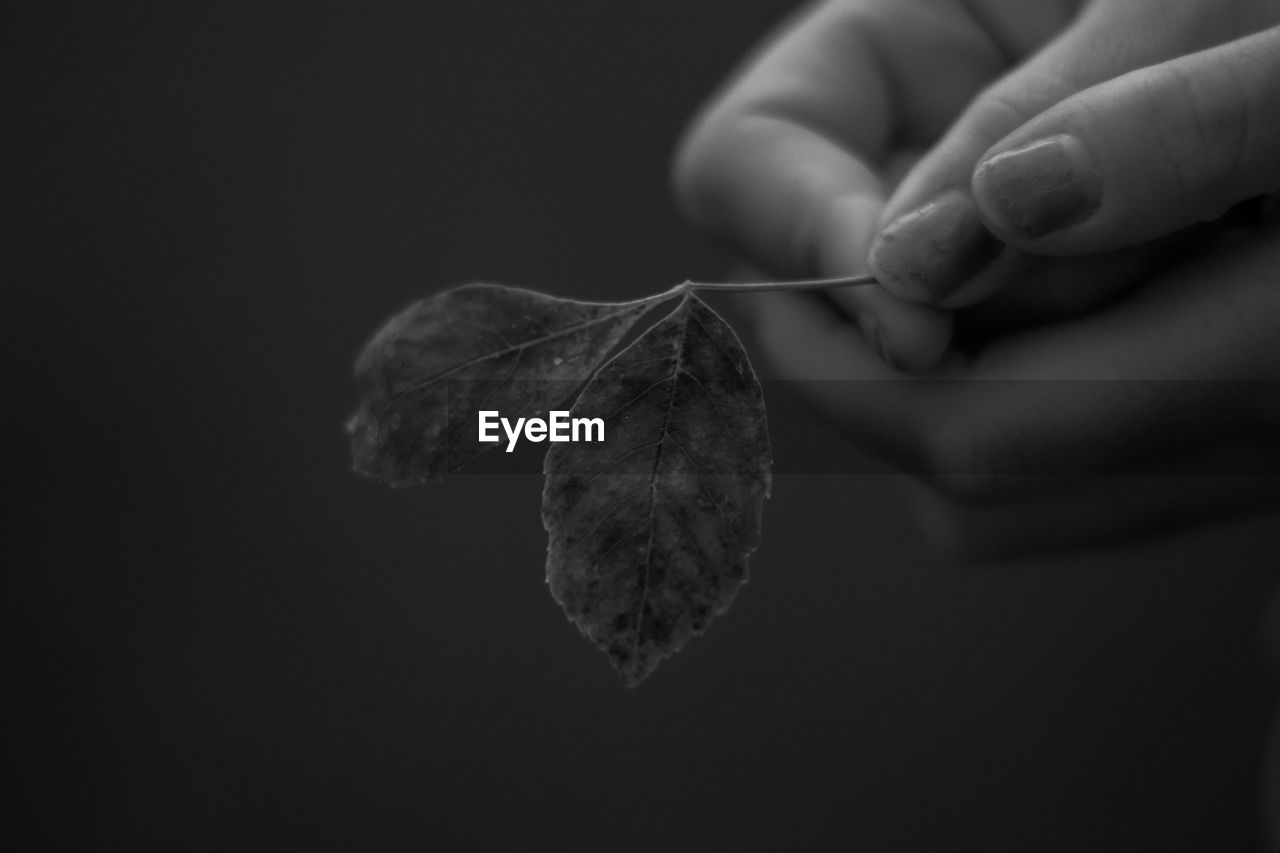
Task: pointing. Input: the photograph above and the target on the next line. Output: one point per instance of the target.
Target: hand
(792, 164)
(1161, 408)
(1138, 120)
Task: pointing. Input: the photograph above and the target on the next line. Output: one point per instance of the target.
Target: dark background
(223, 638)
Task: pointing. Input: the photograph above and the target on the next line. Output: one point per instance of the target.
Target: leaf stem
(795, 284)
(685, 287)
(658, 298)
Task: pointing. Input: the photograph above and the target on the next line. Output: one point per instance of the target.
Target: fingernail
(1040, 188)
(926, 254)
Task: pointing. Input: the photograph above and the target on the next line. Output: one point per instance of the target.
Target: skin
(857, 113)
(819, 155)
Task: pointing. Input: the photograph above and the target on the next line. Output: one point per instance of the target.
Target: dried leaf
(650, 530)
(429, 370)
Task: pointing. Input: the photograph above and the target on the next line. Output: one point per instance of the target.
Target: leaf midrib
(687, 308)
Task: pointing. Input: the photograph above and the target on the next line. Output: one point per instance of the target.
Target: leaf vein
(418, 386)
(616, 460)
(609, 514)
(653, 477)
(637, 398)
(724, 422)
(737, 368)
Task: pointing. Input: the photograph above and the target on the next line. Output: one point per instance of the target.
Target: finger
(1064, 507)
(932, 240)
(1187, 361)
(807, 344)
(812, 114)
(906, 335)
(784, 166)
(1044, 290)
(1141, 155)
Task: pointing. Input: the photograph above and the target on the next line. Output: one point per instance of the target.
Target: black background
(223, 638)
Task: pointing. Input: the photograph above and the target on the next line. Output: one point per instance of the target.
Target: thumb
(1139, 156)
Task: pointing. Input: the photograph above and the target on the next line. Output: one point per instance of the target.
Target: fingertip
(928, 253)
(912, 338)
(804, 340)
(907, 336)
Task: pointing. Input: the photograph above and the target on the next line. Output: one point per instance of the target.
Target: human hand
(1142, 118)
(792, 164)
(1162, 408)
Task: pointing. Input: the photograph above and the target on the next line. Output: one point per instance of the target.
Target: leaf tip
(631, 682)
(633, 670)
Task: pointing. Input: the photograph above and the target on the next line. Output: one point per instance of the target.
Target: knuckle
(1213, 119)
(1012, 102)
(1184, 159)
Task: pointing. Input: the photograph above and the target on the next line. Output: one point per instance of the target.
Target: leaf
(428, 371)
(650, 530)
